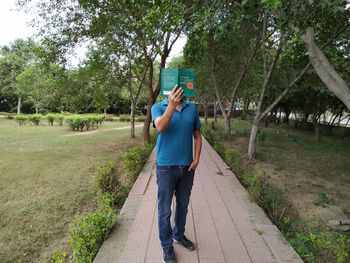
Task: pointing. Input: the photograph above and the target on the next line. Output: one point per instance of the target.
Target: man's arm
(197, 149)
(174, 99)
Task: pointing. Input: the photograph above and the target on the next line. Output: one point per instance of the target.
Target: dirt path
(95, 131)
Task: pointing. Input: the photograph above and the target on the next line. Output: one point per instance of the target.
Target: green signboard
(184, 78)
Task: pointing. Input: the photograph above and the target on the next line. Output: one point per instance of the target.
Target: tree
(13, 59)
(152, 26)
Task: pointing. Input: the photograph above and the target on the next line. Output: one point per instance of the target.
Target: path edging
(118, 234)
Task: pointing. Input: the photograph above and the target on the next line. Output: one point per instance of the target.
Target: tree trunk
(37, 108)
(132, 119)
(206, 113)
(215, 113)
(227, 124)
(324, 69)
(19, 105)
(253, 139)
(104, 111)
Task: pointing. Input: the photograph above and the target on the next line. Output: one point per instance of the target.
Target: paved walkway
(223, 223)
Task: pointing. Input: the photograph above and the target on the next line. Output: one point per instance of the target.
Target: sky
(14, 24)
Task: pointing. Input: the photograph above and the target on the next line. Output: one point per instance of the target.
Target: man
(177, 122)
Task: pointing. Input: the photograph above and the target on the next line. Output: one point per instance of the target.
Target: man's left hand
(193, 166)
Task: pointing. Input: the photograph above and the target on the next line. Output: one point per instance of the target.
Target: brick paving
(222, 222)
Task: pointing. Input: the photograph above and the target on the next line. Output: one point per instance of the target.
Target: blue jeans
(172, 179)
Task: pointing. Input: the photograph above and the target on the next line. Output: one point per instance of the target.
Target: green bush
(59, 118)
(153, 137)
(89, 232)
(230, 157)
(86, 121)
(50, 118)
(310, 245)
(108, 181)
(110, 117)
(35, 119)
(140, 118)
(219, 148)
(124, 117)
(207, 132)
(107, 178)
(342, 248)
(135, 158)
(127, 117)
(21, 119)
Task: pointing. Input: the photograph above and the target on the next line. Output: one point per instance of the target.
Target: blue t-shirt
(175, 145)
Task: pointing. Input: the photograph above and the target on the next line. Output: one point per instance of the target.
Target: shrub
(140, 118)
(79, 122)
(110, 117)
(124, 117)
(153, 137)
(50, 118)
(72, 121)
(230, 157)
(89, 232)
(207, 133)
(310, 245)
(109, 183)
(135, 158)
(219, 148)
(107, 178)
(35, 119)
(342, 248)
(21, 119)
(59, 118)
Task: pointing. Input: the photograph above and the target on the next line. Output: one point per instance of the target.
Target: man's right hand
(175, 97)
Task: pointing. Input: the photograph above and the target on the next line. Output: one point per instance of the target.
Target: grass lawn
(46, 180)
(315, 176)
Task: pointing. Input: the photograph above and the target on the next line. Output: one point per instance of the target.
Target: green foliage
(50, 118)
(107, 200)
(213, 125)
(84, 121)
(135, 158)
(207, 133)
(107, 178)
(267, 196)
(261, 135)
(153, 137)
(21, 119)
(219, 148)
(310, 245)
(35, 119)
(140, 118)
(127, 117)
(58, 257)
(342, 248)
(124, 117)
(89, 232)
(109, 182)
(59, 118)
(230, 157)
